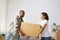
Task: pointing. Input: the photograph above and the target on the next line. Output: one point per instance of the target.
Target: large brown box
(30, 29)
(57, 36)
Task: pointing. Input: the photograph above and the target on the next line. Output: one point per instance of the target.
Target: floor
(30, 38)
(22, 38)
(2, 37)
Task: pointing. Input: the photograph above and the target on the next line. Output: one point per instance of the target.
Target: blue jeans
(9, 35)
(46, 38)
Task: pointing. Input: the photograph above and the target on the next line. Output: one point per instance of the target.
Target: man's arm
(15, 21)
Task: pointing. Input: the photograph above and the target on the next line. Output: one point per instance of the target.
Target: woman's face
(42, 17)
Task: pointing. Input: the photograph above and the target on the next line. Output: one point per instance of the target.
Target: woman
(45, 35)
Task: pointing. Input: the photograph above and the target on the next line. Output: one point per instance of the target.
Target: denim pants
(46, 38)
(9, 35)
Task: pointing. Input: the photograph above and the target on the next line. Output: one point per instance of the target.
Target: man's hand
(22, 34)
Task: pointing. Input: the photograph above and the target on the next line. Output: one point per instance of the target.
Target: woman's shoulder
(45, 21)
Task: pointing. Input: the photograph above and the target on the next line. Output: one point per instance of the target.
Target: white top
(45, 32)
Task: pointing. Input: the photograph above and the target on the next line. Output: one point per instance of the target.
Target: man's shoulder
(17, 16)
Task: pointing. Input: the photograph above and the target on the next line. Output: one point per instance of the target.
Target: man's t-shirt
(17, 23)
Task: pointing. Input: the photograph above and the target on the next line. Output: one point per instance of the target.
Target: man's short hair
(22, 11)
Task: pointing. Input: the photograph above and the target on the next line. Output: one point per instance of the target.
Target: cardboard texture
(2, 37)
(57, 35)
(30, 29)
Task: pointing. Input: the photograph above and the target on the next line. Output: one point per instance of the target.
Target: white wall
(3, 5)
(33, 8)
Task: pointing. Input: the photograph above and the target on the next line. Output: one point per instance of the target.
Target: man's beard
(21, 16)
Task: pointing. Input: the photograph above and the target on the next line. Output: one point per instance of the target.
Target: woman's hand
(37, 36)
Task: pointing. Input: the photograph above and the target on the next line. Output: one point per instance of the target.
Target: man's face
(22, 14)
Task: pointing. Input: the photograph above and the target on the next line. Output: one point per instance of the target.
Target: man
(16, 29)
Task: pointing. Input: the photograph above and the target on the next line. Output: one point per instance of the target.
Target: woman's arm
(41, 30)
(43, 27)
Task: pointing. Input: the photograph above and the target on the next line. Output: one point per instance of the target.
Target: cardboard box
(30, 29)
(2, 37)
(57, 35)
